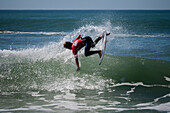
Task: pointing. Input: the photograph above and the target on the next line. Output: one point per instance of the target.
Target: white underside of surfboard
(104, 40)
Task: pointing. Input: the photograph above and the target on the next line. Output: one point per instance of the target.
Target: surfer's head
(68, 45)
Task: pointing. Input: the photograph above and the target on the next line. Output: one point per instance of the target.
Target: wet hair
(68, 45)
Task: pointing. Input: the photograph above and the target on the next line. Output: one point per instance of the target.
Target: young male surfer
(79, 43)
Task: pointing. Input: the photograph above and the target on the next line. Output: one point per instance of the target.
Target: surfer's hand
(78, 69)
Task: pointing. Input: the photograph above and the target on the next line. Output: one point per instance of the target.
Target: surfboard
(104, 40)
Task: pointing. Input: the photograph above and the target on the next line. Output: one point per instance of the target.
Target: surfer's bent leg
(97, 40)
(88, 44)
(100, 37)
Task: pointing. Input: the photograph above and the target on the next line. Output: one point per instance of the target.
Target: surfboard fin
(107, 34)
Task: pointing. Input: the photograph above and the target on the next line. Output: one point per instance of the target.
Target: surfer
(79, 43)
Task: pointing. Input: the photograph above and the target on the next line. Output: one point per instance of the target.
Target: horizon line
(82, 9)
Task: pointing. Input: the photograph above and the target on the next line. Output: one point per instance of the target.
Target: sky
(85, 4)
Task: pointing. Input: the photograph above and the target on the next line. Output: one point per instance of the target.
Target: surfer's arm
(77, 62)
(79, 36)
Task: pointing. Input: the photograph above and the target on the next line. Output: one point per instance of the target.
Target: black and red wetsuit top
(77, 45)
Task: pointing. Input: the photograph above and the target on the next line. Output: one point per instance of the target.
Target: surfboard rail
(104, 41)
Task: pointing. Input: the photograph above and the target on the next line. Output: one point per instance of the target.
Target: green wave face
(41, 74)
(120, 83)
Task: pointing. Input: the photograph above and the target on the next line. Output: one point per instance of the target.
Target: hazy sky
(84, 4)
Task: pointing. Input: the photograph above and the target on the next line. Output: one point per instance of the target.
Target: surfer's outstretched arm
(77, 62)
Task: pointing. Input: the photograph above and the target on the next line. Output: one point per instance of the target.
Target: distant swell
(124, 35)
(34, 33)
(145, 35)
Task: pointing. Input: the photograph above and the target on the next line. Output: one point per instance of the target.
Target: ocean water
(38, 75)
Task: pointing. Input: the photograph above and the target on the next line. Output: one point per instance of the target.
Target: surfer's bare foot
(100, 54)
(102, 35)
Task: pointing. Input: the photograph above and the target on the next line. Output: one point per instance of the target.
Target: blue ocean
(38, 75)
